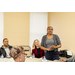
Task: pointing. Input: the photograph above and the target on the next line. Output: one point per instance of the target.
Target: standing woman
(50, 43)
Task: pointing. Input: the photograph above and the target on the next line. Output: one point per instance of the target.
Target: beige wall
(16, 27)
(64, 26)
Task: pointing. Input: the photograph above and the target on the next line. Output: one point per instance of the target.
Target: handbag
(63, 53)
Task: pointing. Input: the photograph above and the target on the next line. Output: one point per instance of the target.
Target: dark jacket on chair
(2, 50)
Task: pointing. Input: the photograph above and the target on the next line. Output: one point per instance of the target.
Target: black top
(0, 53)
(38, 50)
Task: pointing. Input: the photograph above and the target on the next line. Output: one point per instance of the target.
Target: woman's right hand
(52, 47)
(49, 49)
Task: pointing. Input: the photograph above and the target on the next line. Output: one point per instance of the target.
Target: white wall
(38, 26)
(1, 27)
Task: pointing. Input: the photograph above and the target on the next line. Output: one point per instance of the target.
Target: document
(69, 53)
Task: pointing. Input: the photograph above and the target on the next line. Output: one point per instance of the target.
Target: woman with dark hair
(50, 43)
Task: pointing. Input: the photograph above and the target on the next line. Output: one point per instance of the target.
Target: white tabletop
(27, 60)
(39, 60)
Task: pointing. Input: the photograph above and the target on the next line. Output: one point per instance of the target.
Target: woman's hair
(34, 43)
(16, 51)
(48, 27)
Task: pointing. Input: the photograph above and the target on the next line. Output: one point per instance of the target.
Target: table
(39, 60)
(4, 59)
(27, 60)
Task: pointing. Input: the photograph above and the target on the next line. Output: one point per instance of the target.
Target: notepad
(69, 53)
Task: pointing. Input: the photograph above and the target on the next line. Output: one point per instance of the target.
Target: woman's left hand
(53, 47)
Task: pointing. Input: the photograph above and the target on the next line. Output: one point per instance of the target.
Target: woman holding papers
(72, 59)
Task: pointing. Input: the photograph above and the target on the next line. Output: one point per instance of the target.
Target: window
(38, 26)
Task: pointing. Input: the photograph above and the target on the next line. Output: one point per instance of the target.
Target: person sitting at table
(18, 54)
(5, 49)
(37, 51)
(72, 59)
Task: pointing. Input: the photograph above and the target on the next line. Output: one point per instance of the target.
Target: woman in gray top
(72, 59)
(50, 43)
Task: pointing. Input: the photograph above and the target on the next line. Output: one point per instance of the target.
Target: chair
(27, 50)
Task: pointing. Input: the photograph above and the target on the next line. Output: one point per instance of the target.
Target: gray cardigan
(55, 38)
(72, 59)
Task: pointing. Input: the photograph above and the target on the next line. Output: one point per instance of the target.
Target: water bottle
(33, 56)
(44, 59)
(2, 56)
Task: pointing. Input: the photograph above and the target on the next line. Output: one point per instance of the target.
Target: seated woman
(72, 59)
(18, 54)
(37, 51)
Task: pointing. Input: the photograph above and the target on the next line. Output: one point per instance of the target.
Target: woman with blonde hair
(37, 51)
(18, 54)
